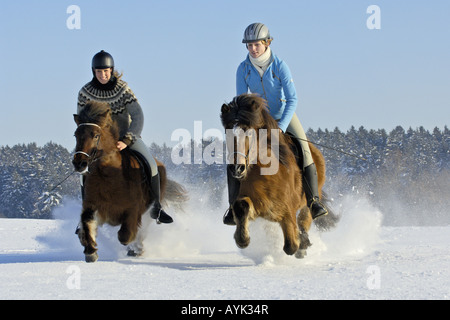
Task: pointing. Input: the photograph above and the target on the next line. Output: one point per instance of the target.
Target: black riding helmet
(102, 60)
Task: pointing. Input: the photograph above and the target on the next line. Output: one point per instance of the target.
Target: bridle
(233, 157)
(91, 157)
(243, 155)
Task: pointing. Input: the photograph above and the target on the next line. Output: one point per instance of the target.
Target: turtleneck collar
(262, 62)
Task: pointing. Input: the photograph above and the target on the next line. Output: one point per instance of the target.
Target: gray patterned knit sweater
(124, 106)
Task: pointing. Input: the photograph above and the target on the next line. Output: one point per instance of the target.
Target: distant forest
(406, 174)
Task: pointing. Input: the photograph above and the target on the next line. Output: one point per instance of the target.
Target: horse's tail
(172, 192)
(325, 223)
(175, 193)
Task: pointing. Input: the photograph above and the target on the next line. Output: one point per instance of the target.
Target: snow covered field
(196, 258)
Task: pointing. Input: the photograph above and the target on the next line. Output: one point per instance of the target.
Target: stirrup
(77, 230)
(320, 211)
(228, 218)
(158, 215)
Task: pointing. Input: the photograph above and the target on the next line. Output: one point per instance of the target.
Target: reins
(61, 182)
(334, 149)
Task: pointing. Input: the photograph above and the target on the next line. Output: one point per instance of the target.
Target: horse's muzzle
(239, 171)
(80, 163)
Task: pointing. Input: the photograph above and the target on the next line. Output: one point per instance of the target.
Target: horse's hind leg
(290, 231)
(304, 221)
(136, 248)
(87, 234)
(241, 209)
(128, 230)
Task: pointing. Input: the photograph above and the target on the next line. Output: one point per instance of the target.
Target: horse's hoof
(133, 253)
(300, 254)
(290, 250)
(242, 243)
(91, 257)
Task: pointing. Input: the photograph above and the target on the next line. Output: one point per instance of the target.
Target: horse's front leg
(241, 209)
(87, 234)
(291, 234)
(304, 221)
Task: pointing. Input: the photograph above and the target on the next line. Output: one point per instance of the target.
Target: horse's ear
(225, 108)
(105, 114)
(104, 118)
(76, 118)
(255, 105)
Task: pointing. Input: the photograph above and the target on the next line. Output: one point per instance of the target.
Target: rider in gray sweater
(107, 86)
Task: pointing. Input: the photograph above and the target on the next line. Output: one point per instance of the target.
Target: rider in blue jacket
(275, 85)
(262, 72)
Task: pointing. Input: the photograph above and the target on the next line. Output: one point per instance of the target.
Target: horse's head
(242, 118)
(246, 111)
(93, 123)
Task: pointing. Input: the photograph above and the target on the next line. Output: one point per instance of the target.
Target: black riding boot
(311, 188)
(157, 212)
(233, 191)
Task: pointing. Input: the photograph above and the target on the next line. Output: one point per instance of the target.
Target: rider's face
(256, 49)
(103, 75)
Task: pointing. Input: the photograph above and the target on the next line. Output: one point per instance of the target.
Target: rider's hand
(121, 145)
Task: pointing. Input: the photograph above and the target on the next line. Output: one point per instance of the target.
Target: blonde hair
(117, 75)
(264, 42)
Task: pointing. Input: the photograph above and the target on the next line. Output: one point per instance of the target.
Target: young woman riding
(107, 86)
(262, 72)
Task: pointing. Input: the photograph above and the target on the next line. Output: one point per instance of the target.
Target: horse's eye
(97, 136)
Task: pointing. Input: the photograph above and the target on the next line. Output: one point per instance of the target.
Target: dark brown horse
(270, 179)
(116, 190)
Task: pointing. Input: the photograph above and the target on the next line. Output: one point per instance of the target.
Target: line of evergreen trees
(406, 174)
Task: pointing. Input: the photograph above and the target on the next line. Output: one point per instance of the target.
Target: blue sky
(180, 59)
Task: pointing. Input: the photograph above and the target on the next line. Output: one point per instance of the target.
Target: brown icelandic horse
(116, 190)
(276, 193)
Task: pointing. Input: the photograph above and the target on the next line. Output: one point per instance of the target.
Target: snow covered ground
(196, 258)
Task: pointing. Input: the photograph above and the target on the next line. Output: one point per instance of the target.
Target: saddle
(143, 164)
(296, 148)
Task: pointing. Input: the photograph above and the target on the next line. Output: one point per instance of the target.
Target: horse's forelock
(94, 112)
(252, 111)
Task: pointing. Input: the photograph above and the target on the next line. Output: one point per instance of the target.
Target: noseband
(243, 155)
(90, 124)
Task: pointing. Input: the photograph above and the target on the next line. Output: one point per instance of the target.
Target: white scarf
(262, 62)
